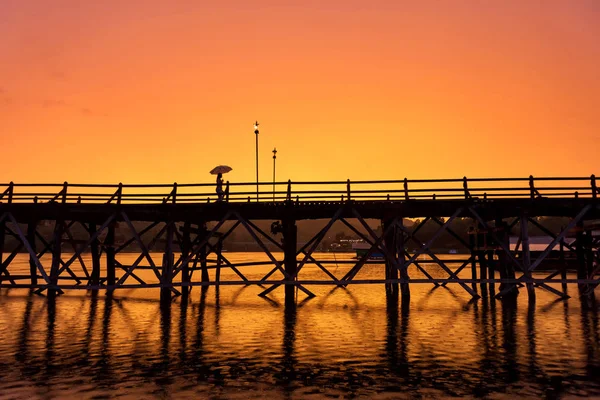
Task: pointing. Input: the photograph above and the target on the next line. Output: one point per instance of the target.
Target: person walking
(219, 190)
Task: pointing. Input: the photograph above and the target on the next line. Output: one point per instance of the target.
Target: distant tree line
(241, 240)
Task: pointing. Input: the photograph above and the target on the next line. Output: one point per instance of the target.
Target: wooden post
(109, 243)
(31, 228)
(404, 287)
(490, 262)
(502, 259)
(167, 262)
(526, 255)
(2, 234)
(94, 248)
(505, 267)
(390, 243)
(218, 268)
(348, 189)
(57, 243)
(290, 235)
(563, 265)
(481, 257)
(580, 250)
(589, 256)
(185, 251)
(56, 253)
(472, 246)
(203, 232)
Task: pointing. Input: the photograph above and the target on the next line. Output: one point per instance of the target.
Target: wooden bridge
(191, 226)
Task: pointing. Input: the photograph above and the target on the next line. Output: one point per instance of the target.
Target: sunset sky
(162, 91)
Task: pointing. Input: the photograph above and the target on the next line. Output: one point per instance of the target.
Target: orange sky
(155, 91)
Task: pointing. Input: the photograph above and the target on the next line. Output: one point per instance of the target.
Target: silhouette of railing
(305, 191)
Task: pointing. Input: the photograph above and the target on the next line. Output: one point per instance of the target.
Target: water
(230, 343)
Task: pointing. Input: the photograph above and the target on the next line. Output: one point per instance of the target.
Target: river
(228, 342)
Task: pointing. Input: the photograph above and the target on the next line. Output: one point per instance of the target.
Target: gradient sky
(157, 91)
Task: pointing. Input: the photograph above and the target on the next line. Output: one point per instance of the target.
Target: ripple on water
(353, 342)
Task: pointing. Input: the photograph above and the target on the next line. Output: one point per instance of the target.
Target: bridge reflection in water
(360, 341)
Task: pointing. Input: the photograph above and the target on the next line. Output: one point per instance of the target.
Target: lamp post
(256, 132)
(274, 158)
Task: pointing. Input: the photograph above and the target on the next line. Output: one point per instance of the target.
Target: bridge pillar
(391, 244)
(481, 253)
(491, 271)
(95, 276)
(185, 266)
(589, 255)
(563, 265)
(31, 227)
(109, 243)
(167, 263)
(2, 233)
(203, 232)
(219, 248)
(505, 268)
(526, 255)
(472, 248)
(584, 255)
(400, 244)
(56, 254)
(290, 240)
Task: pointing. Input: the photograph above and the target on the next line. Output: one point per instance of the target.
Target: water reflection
(287, 374)
(509, 339)
(396, 343)
(349, 342)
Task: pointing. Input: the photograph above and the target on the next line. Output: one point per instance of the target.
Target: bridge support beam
(185, 252)
(290, 241)
(95, 276)
(401, 243)
(390, 241)
(56, 254)
(472, 248)
(203, 232)
(526, 256)
(505, 268)
(589, 256)
(2, 233)
(31, 228)
(109, 243)
(491, 263)
(481, 253)
(167, 262)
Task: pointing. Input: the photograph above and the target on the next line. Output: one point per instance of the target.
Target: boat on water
(361, 248)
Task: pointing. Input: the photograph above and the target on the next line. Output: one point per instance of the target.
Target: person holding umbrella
(219, 171)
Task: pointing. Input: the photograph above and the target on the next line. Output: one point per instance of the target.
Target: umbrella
(220, 169)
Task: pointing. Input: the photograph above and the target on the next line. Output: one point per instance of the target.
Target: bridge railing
(304, 191)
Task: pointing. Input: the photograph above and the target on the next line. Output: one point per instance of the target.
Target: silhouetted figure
(220, 192)
(533, 191)
(466, 188)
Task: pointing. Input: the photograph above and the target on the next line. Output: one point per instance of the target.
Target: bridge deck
(376, 209)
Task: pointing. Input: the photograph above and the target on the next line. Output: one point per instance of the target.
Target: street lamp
(274, 158)
(256, 132)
